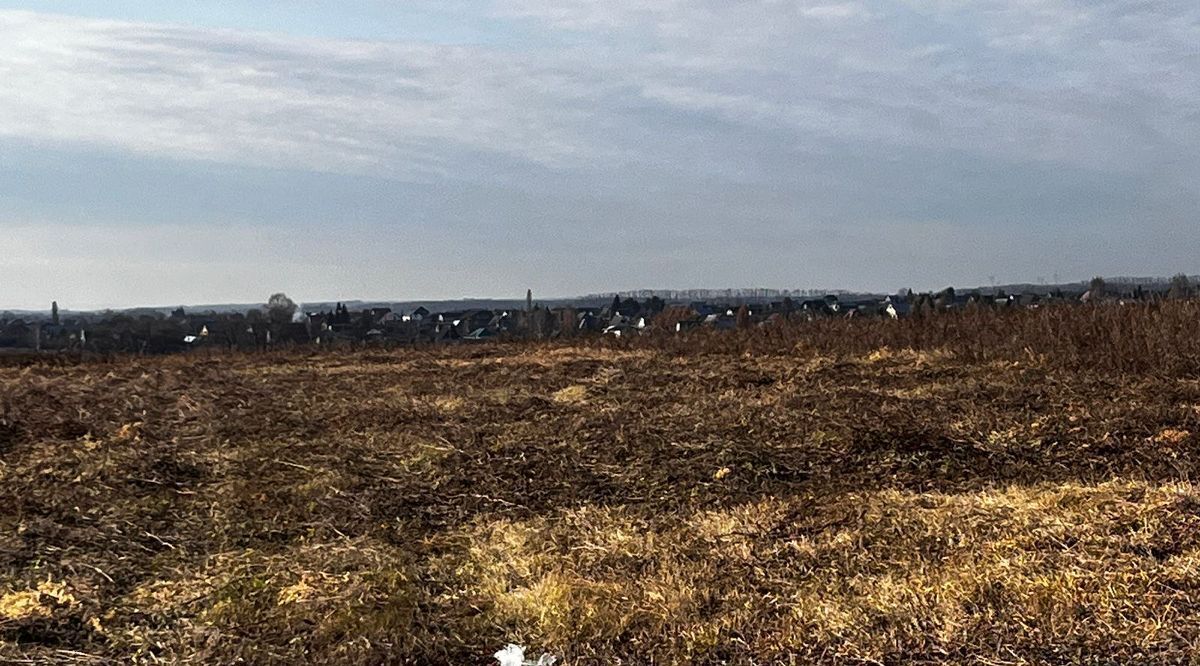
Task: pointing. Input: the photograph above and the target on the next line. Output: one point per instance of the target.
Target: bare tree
(944, 299)
(1097, 288)
(280, 309)
(1181, 287)
(742, 319)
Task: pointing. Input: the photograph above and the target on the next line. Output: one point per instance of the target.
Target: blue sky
(185, 152)
(439, 22)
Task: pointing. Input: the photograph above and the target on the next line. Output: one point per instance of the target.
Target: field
(978, 488)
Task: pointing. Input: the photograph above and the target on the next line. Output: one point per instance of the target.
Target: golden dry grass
(746, 500)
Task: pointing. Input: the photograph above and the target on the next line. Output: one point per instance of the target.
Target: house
(444, 321)
(630, 307)
(725, 322)
(623, 330)
(479, 334)
(772, 319)
(317, 322)
(16, 333)
(688, 325)
(463, 322)
(856, 309)
(588, 321)
(821, 307)
(477, 319)
(1028, 300)
(500, 322)
(896, 307)
(441, 332)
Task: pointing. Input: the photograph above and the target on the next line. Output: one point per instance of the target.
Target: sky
(162, 153)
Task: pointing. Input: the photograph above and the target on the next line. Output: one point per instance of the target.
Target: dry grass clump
(907, 357)
(571, 394)
(1133, 337)
(901, 576)
(916, 494)
(35, 603)
(325, 598)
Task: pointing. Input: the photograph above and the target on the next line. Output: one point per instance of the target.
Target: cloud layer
(267, 100)
(706, 125)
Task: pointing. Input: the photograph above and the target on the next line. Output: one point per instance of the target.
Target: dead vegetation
(977, 488)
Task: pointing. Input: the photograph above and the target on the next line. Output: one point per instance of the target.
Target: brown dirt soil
(738, 499)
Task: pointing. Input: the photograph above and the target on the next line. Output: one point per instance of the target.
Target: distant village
(283, 323)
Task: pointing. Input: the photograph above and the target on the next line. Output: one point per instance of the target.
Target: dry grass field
(978, 488)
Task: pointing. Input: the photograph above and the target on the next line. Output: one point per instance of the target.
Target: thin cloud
(268, 100)
(1102, 84)
(838, 11)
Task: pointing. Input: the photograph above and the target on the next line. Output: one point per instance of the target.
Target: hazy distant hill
(596, 300)
(353, 305)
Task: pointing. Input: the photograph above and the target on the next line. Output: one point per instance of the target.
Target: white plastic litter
(514, 655)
